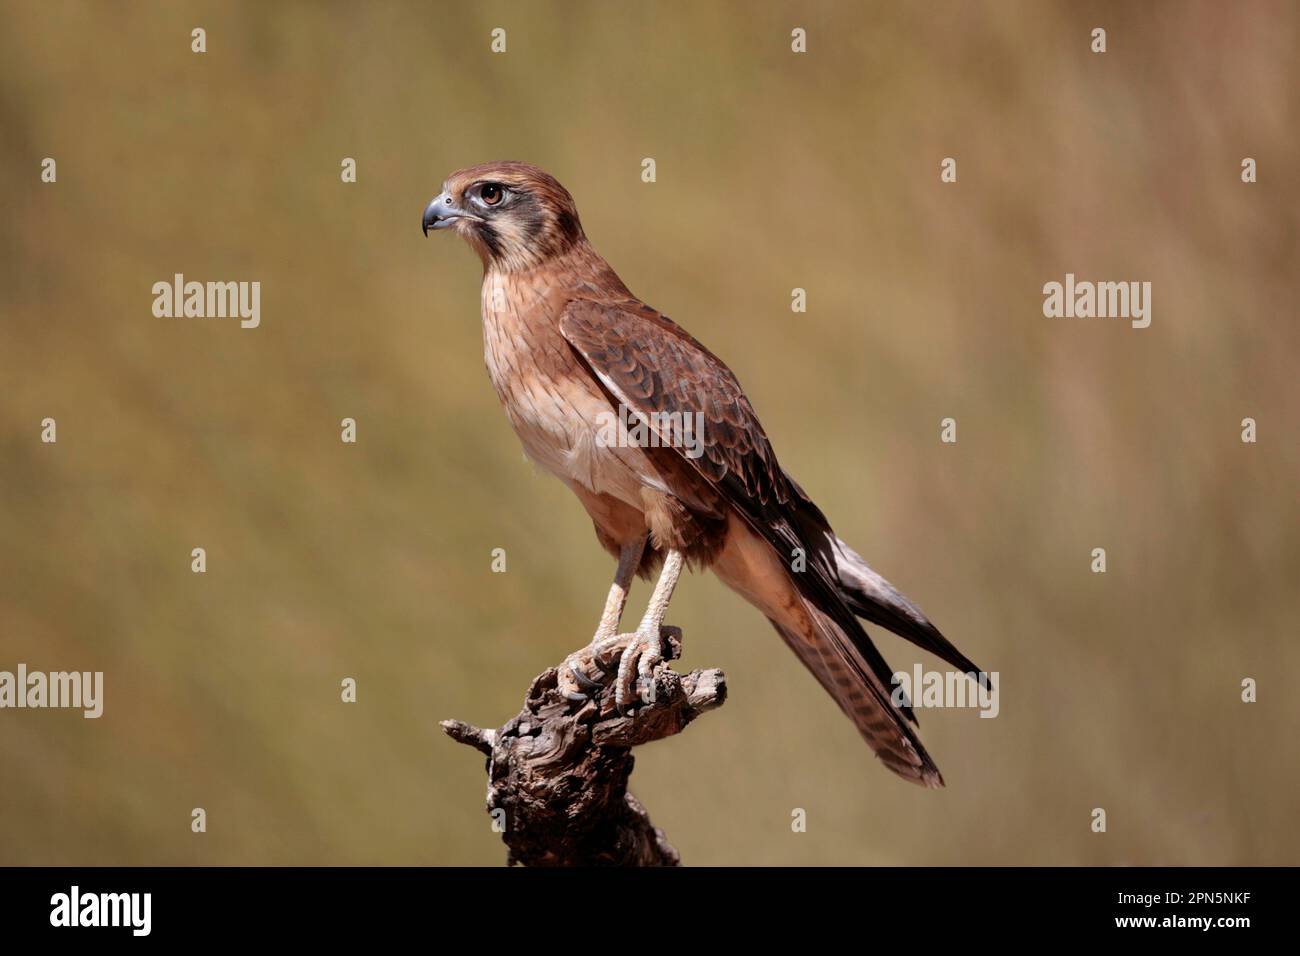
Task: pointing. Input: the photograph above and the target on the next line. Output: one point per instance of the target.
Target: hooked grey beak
(440, 213)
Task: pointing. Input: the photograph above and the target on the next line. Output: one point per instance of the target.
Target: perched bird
(567, 348)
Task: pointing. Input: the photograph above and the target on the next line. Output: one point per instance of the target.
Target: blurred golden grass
(775, 171)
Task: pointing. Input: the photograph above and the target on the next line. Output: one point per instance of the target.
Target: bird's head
(514, 215)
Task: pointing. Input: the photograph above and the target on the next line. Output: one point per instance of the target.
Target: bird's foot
(577, 680)
(612, 657)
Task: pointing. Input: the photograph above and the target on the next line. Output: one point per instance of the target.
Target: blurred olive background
(775, 171)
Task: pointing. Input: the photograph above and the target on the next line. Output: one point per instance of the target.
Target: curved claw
(580, 678)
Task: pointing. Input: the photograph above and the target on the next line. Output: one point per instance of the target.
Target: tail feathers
(811, 615)
(833, 657)
(876, 600)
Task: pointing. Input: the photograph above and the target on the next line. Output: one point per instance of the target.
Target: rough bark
(558, 771)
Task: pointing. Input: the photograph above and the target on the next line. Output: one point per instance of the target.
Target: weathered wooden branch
(559, 769)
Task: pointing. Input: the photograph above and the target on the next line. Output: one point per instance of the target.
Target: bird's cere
(442, 212)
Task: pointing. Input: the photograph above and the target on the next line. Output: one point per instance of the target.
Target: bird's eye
(491, 194)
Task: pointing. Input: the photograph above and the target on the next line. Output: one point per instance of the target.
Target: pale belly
(566, 424)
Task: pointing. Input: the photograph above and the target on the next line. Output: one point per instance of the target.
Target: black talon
(582, 680)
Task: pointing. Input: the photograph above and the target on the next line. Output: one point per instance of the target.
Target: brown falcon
(570, 350)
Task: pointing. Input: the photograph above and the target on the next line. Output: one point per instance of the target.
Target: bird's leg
(629, 559)
(646, 646)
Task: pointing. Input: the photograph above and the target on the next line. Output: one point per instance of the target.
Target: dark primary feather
(874, 598)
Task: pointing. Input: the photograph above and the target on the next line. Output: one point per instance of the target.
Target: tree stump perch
(558, 771)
